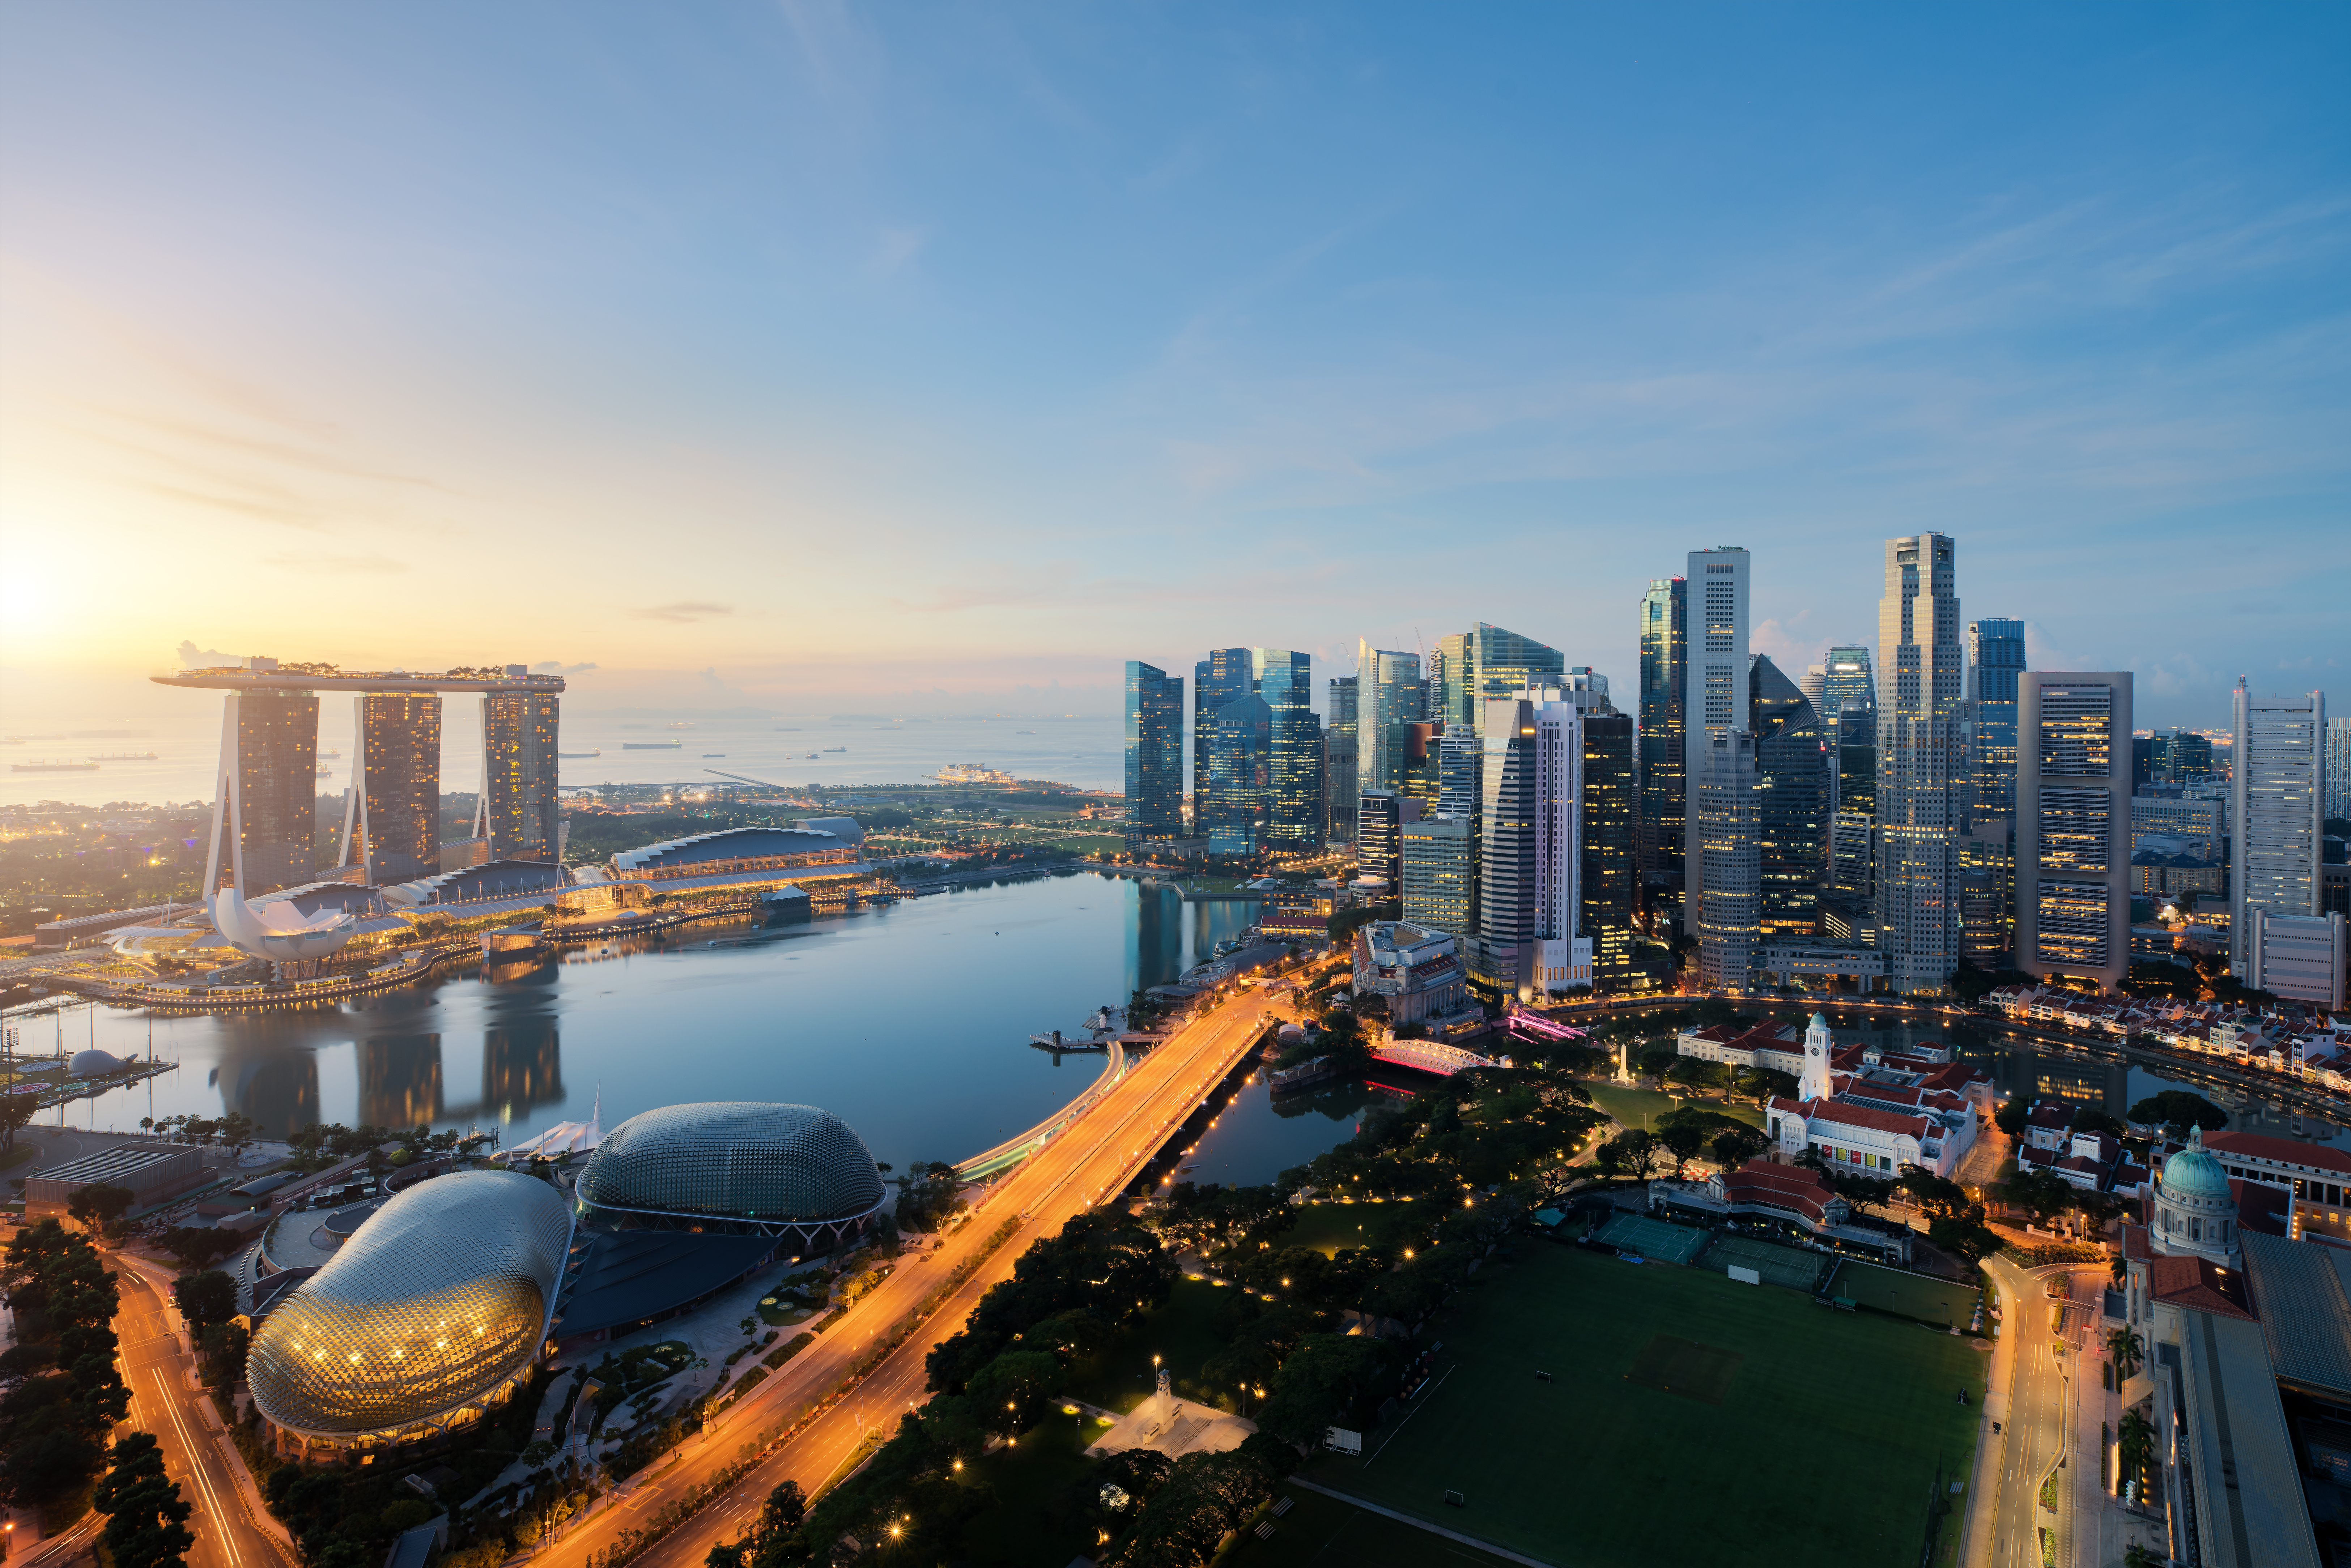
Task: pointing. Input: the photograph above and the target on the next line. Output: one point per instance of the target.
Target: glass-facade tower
(1995, 659)
(393, 813)
(1792, 805)
(1611, 881)
(1665, 653)
(1922, 784)
(518, 743)
(1388, 694)
(1155, 754)
(1340, 759)
(1240, 778)
(278, 767)
(1224, 675)
(1285, 681)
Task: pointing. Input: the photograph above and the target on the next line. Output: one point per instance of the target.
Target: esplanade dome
(734, 1165)
(423, 1319)
(2192, 1173)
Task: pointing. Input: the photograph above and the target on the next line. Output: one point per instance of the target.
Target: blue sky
(803, 355)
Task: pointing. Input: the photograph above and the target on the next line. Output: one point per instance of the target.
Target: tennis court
(1790, 1268)
(1653, 1237)
(1936, 1303)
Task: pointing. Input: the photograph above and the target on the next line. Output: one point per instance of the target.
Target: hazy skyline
(800, 359)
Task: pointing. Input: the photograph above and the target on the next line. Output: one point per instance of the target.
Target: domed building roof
(2192, 1173)
(436, 1306)
(94, 1064)
(735, 1160)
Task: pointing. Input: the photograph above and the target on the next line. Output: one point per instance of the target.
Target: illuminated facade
(425, 1320)
(1285, 681)
(1155, 754)
(1921, 763)
(518, 813)
(1241, 778)
(1727, 829)
(1339, 760)
(791, 852)
(1610, 881)
(1502, 663)
(2073, 824)
(735, 1166)
(1531, 863)
(278, 765)
(1792, 806)
(1225, 675)
(1995, 660)
(1665, 658)
(2275, 806)
(392, 812)
(1713, 691)
(1434, 869)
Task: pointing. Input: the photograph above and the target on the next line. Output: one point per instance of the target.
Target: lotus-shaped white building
(278, 929)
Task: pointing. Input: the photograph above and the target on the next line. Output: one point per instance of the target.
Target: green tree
(1734, 1146)
(2135, 1441)
(2180, 1109)
(204, 1299)
(15, 1110)
(1683, 1141)
(99, 1204)
(1633, 1154)
(147, 1518)
(2042, 1196)
(1317, 1385)
(1005, 1393)
(2010, 1117)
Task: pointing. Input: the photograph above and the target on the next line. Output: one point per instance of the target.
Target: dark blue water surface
(911, 1022)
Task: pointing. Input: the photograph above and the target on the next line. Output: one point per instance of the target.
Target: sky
(939, 358)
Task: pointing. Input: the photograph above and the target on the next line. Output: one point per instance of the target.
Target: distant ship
(680, 724)
(836, 748)
(336, 754)
(53, 768)
(651, 744)
(714, 754)
(1024, 732)
(599, 751)
(124, 757)
(326, 773)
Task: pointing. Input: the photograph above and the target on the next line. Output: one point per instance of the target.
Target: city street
(196, 1452)
(2037, 1412)
(1086, 1165)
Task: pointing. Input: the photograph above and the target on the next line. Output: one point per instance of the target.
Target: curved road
(1086, 1165)
(2036, 1413)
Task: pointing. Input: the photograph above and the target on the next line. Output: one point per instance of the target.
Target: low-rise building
(1418, 972)
(149, 1172)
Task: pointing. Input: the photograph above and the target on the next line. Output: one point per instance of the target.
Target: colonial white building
(1881, 1116)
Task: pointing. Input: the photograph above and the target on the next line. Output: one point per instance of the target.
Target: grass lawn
(1328, 1533)
(1641, 1107)
(1938, 1302)
(1329, 1228)
(1182, 1330)
(1689, 1419)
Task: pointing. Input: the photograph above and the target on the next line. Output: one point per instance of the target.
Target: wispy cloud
(335, 565)
(683, 610)
(558, 667)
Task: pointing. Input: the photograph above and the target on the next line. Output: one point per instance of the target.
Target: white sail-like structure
(563, 1138)
(278, 929)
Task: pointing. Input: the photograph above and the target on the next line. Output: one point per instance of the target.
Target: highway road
(195, 1453)
(2037, 1412)
(1089, 1162)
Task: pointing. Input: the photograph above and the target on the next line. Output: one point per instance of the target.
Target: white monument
(1814, 1084)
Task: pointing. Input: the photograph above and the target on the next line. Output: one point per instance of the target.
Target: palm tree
(2128, 1348)
(2135, 1443)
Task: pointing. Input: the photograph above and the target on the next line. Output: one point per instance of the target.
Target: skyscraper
(1155, 754)
(1452, 700)
(1379, 818)
(2337, 765)
(1665, 658)
(1726, 824)
(1531, 859)
(1714, 688)
(1388, 697)
(278, 765)
(1921, 757)
(1340, 759)
(1845, 680)
(1852, 837)
(1609, 884)
(1224, 675)
(1995, 659)
(518, 746)
(1793, 804)
(1284, 679)
(2073, 824)
(1502, 661)
(1241, 778)
(2275, 812)
(391, 809)
(1433, 865)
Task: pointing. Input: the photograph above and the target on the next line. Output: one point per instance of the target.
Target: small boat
(326, 773)
(650, 744)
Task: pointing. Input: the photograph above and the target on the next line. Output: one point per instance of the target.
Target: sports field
(1688, 1419)
(1937, 1302)
(1790, 1268)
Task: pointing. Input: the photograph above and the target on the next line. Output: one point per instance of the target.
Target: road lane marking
(196, 1467)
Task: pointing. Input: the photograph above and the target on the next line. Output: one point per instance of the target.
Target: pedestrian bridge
(1526, 1024)
(1431, 1056)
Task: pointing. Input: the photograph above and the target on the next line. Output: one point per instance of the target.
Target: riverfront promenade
(1085, 1165)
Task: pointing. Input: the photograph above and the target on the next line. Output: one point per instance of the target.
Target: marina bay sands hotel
(266, 786)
